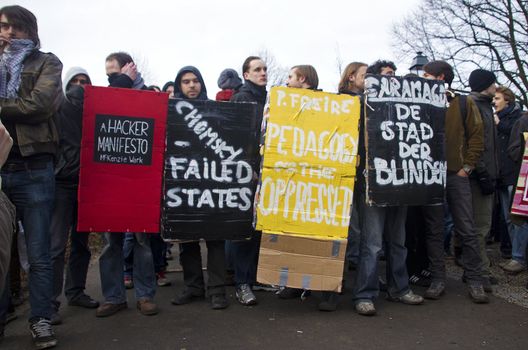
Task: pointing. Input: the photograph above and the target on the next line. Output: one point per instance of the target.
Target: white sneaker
(245, 295)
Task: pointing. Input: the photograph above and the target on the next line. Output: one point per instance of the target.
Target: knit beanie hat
(481, 79)
(229, 79)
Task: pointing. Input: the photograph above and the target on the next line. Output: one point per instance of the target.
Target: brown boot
(147, 307)
(108, 309)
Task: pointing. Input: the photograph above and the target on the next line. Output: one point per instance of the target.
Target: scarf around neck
(139, 82)
(11, 62)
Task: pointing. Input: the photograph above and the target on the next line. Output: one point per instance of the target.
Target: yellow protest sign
(309, 164)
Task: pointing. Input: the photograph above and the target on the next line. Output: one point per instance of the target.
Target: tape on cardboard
(335, 248)
(306, 279)
(283, 276)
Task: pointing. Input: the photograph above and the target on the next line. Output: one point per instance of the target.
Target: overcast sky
(212, 35)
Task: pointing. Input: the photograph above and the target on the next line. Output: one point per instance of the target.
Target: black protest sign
(123, 140)
(405, 122)
(212, 151)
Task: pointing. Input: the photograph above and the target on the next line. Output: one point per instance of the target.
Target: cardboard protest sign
(301, 262)
(520, 197)
(212, 151)
(309, 164)
(121, 160)
(406, 162)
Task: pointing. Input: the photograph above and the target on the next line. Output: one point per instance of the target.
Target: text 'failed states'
(190, 176)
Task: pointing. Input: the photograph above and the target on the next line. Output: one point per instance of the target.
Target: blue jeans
(111, 268)
(128, 253)
(378, 224)
(519, 237)
(64, 226)
(505, 195)
(352, 251)
(448, 228)
(32, 192)
(159, 248)
(245, 259)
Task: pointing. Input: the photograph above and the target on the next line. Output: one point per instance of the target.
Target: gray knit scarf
(11, 63)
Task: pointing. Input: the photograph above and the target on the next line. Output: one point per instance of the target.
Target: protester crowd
(40, 137)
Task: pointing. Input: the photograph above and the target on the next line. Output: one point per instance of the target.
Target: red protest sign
(122, 152)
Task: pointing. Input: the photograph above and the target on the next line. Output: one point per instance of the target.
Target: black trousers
(191, 261)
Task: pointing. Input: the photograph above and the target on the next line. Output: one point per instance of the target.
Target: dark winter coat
(250, 92)
(70, 129)
(489, 159)
(507, 167)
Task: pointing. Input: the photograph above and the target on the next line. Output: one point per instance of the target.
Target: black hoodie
(177, 83)
(70, 125)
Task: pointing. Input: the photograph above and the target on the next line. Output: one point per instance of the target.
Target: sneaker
(420, 280)
(42, 334)
(108, 309)
(289, 293)
(513, 267)
(477, 294)
(245, 295)
(147, 307)
(426, 273)
(265, 287)
(329, 301)
(84, 301)
(161, 280)
(408, 298)
(55, 319)
(187, 296)
(219, 302)
(129, 283)
(435, 290)
(365, 308)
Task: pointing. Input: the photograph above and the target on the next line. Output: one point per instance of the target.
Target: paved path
(451, 323)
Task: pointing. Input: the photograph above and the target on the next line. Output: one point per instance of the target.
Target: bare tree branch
(489, 34)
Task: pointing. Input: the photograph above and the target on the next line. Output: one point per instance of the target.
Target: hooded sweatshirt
(177, 83)
(70, 129)
(72, 72)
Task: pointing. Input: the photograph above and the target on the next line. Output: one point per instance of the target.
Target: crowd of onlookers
(40, 137)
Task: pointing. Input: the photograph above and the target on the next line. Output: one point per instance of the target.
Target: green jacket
(33, 112)
(464, 136)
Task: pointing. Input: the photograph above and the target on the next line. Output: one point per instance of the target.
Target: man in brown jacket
(464, 146)
(30, 95)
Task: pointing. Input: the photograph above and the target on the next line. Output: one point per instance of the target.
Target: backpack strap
(462, 101)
